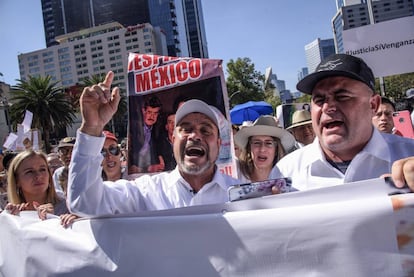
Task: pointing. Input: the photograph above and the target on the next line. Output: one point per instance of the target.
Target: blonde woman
(30, 187)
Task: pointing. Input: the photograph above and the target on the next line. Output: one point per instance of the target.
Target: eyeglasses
(259, 144)
(386, 113)
(113, 150)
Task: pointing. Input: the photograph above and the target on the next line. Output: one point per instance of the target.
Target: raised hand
(98, 104)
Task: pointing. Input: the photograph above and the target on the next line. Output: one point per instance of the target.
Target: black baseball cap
(338, 65)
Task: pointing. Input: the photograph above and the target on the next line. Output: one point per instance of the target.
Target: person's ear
(375, 102)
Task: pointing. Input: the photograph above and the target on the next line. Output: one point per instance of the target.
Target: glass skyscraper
(181, 20)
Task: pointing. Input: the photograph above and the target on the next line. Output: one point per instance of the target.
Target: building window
(32, 58)
(64, 56)
(63, 50)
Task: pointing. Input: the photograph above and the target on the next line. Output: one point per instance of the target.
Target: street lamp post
(232, 95)
(4, 104)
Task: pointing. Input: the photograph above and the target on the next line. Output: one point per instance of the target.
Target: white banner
(387, 47)
(347, 230)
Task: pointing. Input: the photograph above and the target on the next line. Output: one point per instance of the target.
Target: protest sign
(387, 47)
(157, 85)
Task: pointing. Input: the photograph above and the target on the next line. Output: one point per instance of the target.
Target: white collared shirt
(309, 168)
(89, 195)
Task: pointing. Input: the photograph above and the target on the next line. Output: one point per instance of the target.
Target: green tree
(305, 98)
(118, 121)
(397, 85)
(49, 104)
(244, 83)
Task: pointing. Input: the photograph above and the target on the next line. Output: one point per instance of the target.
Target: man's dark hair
(385, 100)
(153, 102)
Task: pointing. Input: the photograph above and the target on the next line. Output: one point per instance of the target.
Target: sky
(269, 32)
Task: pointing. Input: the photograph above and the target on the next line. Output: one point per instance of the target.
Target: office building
(181, 20)
(66, 16)
(302, 73)
(356, 13)
(271, 78)
(279, 86)
(92, 51)
(196, 38)
(169, 16)
(318, 50)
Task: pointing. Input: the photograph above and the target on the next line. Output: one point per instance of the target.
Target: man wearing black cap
(347, 147)
(196, 179)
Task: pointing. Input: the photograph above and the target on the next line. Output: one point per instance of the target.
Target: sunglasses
(113, 150)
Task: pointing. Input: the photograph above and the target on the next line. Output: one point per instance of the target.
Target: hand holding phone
(259, 189)
(403, 124)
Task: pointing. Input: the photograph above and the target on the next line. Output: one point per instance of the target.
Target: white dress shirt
(89, 195)
(309, 168)
(55, 176)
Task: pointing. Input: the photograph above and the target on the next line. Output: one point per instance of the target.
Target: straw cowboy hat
(299, 118)
(265, 125)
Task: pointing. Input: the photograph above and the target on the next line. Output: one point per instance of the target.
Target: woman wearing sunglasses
(111, 166)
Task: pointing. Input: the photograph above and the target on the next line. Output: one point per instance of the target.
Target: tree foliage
(397, 85)
(244, 83)
(49, 104)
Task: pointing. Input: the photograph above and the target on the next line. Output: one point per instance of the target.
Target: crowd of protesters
(348, 126)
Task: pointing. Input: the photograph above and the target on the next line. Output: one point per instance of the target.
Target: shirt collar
(218, 179)
(376, 146)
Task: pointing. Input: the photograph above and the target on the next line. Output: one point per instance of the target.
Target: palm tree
(120, 114)
(49, 104)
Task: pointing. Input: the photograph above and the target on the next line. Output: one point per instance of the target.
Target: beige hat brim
(299, 124)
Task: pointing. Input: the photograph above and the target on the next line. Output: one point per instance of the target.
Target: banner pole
(382, 86)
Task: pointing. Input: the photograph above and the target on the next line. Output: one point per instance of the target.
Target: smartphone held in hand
(258, 189)
(403, 124)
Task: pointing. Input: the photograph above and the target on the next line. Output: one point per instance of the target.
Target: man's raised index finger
(108, 79)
